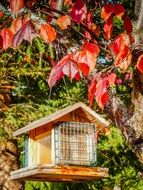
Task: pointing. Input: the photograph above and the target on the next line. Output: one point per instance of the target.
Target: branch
(47, 11)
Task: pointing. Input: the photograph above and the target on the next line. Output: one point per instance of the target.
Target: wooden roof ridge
(57, 115)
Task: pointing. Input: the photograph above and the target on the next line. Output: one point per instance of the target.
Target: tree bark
(8, 162)
(129, 119)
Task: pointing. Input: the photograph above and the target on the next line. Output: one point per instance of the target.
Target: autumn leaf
(111, 78)
(128, 25)
(16, 24)
(108, 27)
(68, 2)
(119, 10)
(116, 45)
(1, 42)
(101, 94)
(87, 57)
(119, 42)
(121, 51)
(25, 33)
(1, 14)
(98, 89)
(16, 5)
(7, 36)
(66, 66)
(91, 91)
(30, 3)
(47, 32)
(123, 59)
(106, 11)
(64, 22)
(140, 63)
(79, 11)
(52, 3)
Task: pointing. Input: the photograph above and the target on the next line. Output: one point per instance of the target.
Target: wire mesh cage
(75, 144)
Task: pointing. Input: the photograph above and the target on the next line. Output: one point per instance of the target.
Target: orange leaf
(68, 2)
(119, 10)
(119, 42)
(140, 63)
(7, 36)
(107, 10)
(64, 22)
(86, 58)
(16, 24)
(123, 59)
(111, 78)
(108, 27)
(16, 6)
(47, 32)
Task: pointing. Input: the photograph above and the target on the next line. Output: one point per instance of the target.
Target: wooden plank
(60, 173)
(59, 114)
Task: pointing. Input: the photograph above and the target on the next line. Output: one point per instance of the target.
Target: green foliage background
(27, 69)
(32, 99)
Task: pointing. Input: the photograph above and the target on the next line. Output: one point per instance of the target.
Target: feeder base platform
(54, 173)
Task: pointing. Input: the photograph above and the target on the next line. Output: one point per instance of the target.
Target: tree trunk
(8, 162)
(9, 156)
(129, 119)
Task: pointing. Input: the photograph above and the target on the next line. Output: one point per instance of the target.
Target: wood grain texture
(61, 114)
(60, 173)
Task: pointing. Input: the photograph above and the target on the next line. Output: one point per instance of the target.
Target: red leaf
(1, 14)
(64, 22)
(101, 94)
(66, 66)
(16, 24)
(111, 78)
(91, 91)
(119, 42)
(52, 3)
(116, 45)
(123, 59)
(87, 57)
(30, 3)
(16, 5)
(47, 32)
(107, 10)
(140, 63)
(25, 33)
(119, 10)
(108, 27)
(7, 36)
(79, 11)
(98, 88)
(1, 42)
(128, 25)
(120, 49)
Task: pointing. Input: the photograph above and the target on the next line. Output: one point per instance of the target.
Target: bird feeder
(62, 146)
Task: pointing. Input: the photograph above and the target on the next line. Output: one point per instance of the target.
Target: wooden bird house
(62, 146)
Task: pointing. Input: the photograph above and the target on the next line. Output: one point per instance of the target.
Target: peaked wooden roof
(60, 113)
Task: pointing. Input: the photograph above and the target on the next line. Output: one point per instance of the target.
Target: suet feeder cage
(62, 146)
